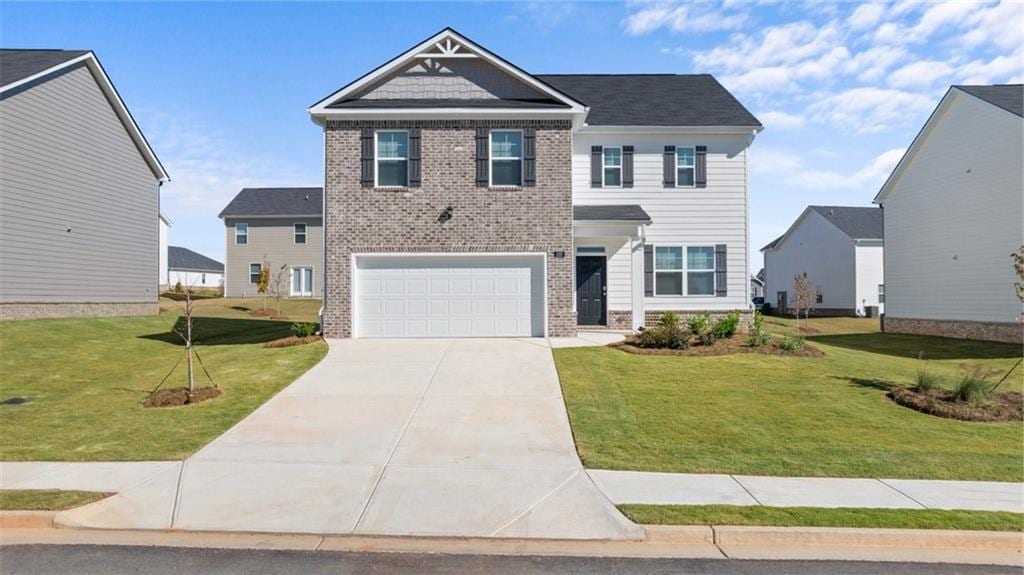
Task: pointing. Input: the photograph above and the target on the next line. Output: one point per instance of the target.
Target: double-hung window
(682, 270)
(881, 293)
(299, 233)
(241, 234)
(612, 167)
(685, 167)
(392, 159)
(506, 158)
(254, 273)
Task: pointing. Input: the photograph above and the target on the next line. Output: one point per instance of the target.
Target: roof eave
(224, 216)
(595, 129)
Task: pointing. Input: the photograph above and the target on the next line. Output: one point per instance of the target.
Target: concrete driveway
(464, 437)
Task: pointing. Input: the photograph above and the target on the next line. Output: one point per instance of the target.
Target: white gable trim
(789, 231)
(443, 38)
(113, 97)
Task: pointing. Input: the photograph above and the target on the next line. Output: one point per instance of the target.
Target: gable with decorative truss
(447, 71)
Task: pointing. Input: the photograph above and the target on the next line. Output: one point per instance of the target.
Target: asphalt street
(116, 560)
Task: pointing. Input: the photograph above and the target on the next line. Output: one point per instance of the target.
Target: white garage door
(450, 296)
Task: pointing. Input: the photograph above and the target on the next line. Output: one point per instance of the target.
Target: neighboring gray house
(954, 207)
(79, 192)
(282, 227)
(193, 270)
(840, 250)
(467, 197)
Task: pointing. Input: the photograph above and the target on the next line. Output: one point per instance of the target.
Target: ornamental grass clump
(974, 386)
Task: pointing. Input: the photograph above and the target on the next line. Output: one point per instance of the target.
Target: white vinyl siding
(193, 279)
(707, 216)
(954, 215)
(869, 275)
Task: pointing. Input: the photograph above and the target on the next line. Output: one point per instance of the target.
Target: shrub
(726, 326)
(757, 335)
(177, 287)
(304, 329)
(668, 319)
(663, 337)
(792, 344)
(701, 327)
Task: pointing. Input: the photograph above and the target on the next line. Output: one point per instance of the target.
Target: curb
(27, 519)
(881, 538)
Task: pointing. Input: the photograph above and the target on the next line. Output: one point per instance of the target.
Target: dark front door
(591, 289)
(781, 302)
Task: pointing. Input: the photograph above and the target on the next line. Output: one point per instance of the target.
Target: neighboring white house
(165, 225)
(840, 250)
(756, 285)
(193, 269)
(954, 211)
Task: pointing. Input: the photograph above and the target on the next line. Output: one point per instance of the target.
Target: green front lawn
(86, 379)
(823, 517)
(46, 499)
(795, 416)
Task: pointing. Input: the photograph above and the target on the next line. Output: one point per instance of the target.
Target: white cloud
(772, 79)
(866, 109)
(1000, 24)
(1008, 69)
(206, 168)
(865, 16)
(920, 74)
(777, 120)
(790, 169)
(871, 64)
(695, 17)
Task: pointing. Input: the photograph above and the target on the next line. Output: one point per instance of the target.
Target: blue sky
(221, 89)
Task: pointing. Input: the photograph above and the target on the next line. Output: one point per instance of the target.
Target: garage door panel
(449, 296)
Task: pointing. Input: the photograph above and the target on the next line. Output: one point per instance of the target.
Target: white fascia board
(445, 114)
(731, 130)
(320, 107)
(119, 106)
(272, 217)
(165, 218)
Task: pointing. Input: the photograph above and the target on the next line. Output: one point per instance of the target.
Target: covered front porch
(608, 264)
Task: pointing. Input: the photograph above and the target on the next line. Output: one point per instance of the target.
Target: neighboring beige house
(282, 227)
(840, 250)
(79, 192)
(954, 212)
(466, 197)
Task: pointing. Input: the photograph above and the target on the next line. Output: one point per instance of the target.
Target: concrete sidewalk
(700, 489)
(432, 437)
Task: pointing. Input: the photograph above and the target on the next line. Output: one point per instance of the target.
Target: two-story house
(278, 227)
(467, 197)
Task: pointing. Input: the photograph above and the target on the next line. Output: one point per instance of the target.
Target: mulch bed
(1003, 406)
(292, 340)
(180, 396)
(722, 347)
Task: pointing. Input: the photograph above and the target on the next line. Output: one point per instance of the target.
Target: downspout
(746, 252)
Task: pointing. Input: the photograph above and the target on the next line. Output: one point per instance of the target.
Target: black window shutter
(627, 166)
(700, 171)
(366, 177)
(596, 166)
(668, 178)
(483, 174)
(648, 270)
(415, 153)
(529, 157)
(721, 277)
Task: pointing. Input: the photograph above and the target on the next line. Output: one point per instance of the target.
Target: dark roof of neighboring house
(773, 243)
(20, 64)
(179, 258)
(760, 275)
(858, 223)
(1009, 97)
(624, 213)
(275, 202)
(653, 99)
(446, 103)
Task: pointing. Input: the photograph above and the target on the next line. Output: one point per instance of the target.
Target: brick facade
(21, 311)
(369, 220)
(651, 316)
(987, 331)
(620, 319)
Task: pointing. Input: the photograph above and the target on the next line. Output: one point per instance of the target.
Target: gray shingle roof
(20, 64)
(858, 223)
(773, 243)
(275, 202)
(625, 213)
(184, 259)
(446, 103)
(1006, 96)
(653, 99)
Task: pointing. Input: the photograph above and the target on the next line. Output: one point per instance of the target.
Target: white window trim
(246, 234)
(692, 149)
(605, 166)
(377, 159)
(305, 233)
(252, 283)
(685, 270)
(291, 282)
(491, 158)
